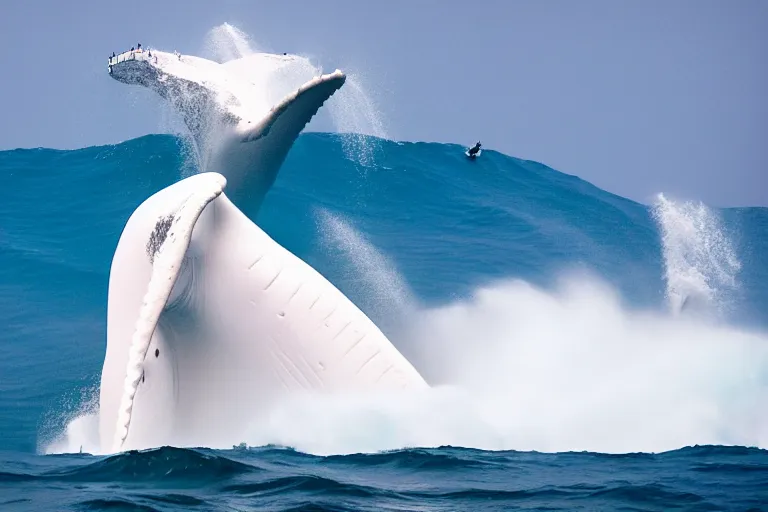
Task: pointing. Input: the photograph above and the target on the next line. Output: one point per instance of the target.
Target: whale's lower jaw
(244, 324)
(248, 152)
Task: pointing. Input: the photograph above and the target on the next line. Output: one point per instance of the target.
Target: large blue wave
(423, 231)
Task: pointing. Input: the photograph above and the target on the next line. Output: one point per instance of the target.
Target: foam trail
(699, 260)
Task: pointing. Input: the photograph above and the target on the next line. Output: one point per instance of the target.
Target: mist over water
(226, 42)
(355, 115)
(384, 294)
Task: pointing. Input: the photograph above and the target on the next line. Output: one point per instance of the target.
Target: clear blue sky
(637, 97)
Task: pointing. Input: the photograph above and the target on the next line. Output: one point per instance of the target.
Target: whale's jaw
(238, 132)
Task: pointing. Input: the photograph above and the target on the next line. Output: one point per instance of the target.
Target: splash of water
(384, 295)
(570, 369)
(575, 370)
(699, 260)
(226, 42)
(359, 121)
(517, 367)
(80, 422)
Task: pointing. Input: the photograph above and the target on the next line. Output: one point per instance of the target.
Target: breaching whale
(209, 320)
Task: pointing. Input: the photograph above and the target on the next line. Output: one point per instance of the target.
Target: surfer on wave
(474, 150)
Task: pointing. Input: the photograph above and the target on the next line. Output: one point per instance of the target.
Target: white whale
(210, 322)
(243, 115)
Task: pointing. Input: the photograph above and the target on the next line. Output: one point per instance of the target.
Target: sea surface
(587, 352)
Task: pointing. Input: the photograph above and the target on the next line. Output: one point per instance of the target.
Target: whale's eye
(157, 352)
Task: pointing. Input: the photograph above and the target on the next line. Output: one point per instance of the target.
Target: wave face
(547, 314)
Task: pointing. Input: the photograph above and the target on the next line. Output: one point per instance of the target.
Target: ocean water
(587, 352)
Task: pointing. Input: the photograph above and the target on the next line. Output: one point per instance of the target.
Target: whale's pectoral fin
(166, 247)
(286, 119)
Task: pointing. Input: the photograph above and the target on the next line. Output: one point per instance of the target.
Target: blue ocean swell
(269, 478)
